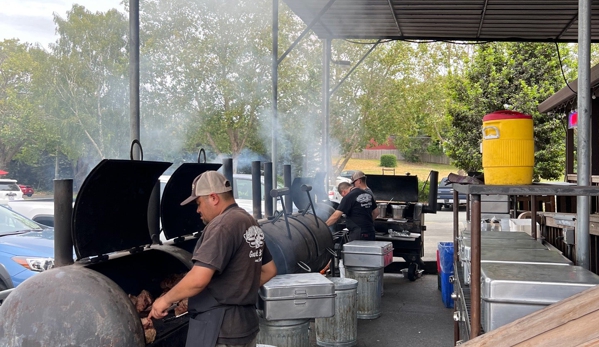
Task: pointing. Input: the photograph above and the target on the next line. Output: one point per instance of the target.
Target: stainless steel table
(474, 193)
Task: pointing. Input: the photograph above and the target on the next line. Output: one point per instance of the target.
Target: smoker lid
(111, 209)
(180, 220)
(299, 197)
(398, 188)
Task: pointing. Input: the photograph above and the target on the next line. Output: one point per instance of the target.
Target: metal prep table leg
(456, 208)
(475, 264)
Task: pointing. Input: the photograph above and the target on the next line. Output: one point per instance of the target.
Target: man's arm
(375, 213)
(268, 271)
(193, 283)
(334, 218)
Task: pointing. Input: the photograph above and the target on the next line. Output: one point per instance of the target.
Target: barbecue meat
(150, 335)
(181, 307)
(149, 331)
(144, 299)
(133, 299)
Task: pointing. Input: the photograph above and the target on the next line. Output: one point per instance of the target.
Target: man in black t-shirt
(360, 211)
(231, 262)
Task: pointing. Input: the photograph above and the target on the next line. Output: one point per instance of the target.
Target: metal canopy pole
(584, 132)
(134, 75)
(275, 78)
(326, 75)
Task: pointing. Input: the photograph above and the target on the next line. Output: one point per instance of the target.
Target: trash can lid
(344, 283)
(505, 114)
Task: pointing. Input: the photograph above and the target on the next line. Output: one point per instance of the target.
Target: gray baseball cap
(207, 183)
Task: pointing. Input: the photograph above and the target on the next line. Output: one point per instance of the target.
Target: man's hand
(159, 309)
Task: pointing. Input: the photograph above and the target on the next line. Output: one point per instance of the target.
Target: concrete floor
(412, 312)
(412, 315)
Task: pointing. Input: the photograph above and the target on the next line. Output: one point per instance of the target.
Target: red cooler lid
(505, 114)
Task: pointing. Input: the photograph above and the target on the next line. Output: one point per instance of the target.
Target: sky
(32, 20)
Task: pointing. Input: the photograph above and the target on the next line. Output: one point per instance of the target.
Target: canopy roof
(460, 20)
(565, 98)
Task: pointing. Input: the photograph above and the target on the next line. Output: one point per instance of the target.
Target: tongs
(172, 308)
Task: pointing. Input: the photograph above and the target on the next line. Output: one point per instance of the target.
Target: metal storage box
(368, 253)
(465, 245)
(298, 296)
(509, 291)
(517, 257)
(466, 234)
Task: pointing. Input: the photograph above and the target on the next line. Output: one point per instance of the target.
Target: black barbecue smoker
(119, 254)
(401, 216)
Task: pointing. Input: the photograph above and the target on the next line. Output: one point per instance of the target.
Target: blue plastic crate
(446, 289)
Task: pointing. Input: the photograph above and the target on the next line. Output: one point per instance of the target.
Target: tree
(515, 76)
(90, 85)
(22, 119)
(209, 62)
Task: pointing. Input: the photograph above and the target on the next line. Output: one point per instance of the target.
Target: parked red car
(26, 189)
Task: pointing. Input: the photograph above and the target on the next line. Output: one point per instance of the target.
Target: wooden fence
(376, 154)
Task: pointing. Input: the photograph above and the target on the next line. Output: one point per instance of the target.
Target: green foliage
(209, 65)
(516, 76)
(423, 190)
(90, 84)
(435, 148)
(23, 121)
(388, 160)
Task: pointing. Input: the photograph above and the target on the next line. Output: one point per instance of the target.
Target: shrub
(423, 191)
(388, 160)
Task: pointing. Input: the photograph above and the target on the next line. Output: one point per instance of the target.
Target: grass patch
(372, 166)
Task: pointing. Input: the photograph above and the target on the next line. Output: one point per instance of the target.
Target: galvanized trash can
(341, 330)
(284, 333)
(369, 290)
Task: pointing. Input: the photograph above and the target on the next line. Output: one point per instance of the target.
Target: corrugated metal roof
(566, 95)
(460, 20)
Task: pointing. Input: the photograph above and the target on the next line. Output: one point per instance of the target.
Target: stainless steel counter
(474, 193)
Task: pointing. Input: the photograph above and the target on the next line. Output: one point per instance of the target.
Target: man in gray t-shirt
(231, 262)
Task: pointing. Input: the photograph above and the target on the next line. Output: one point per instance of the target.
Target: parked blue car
(26, 247)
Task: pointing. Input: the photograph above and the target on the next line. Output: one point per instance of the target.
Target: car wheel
(29, 195)
(439, 207)
(450, 206)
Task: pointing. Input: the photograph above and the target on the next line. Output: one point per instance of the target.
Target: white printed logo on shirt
(365, 200)
(254, 236)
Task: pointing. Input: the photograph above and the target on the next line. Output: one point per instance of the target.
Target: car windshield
(12, 222)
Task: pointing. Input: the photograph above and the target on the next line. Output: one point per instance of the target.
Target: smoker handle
(141, 150)
(202, 151)
(279, 192)
(332, 252)
(306, 188)
(304, 266)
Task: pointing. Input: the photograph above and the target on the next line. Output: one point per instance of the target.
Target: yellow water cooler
(508, 148)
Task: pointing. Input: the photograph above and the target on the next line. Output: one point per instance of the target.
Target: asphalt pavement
(413, 313)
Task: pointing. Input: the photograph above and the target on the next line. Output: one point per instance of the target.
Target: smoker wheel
(412, 271)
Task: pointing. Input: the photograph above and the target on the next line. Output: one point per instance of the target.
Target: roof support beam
(482, 18)
(394, 17)
(308, 28)
(353, 68)
(574, 18)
